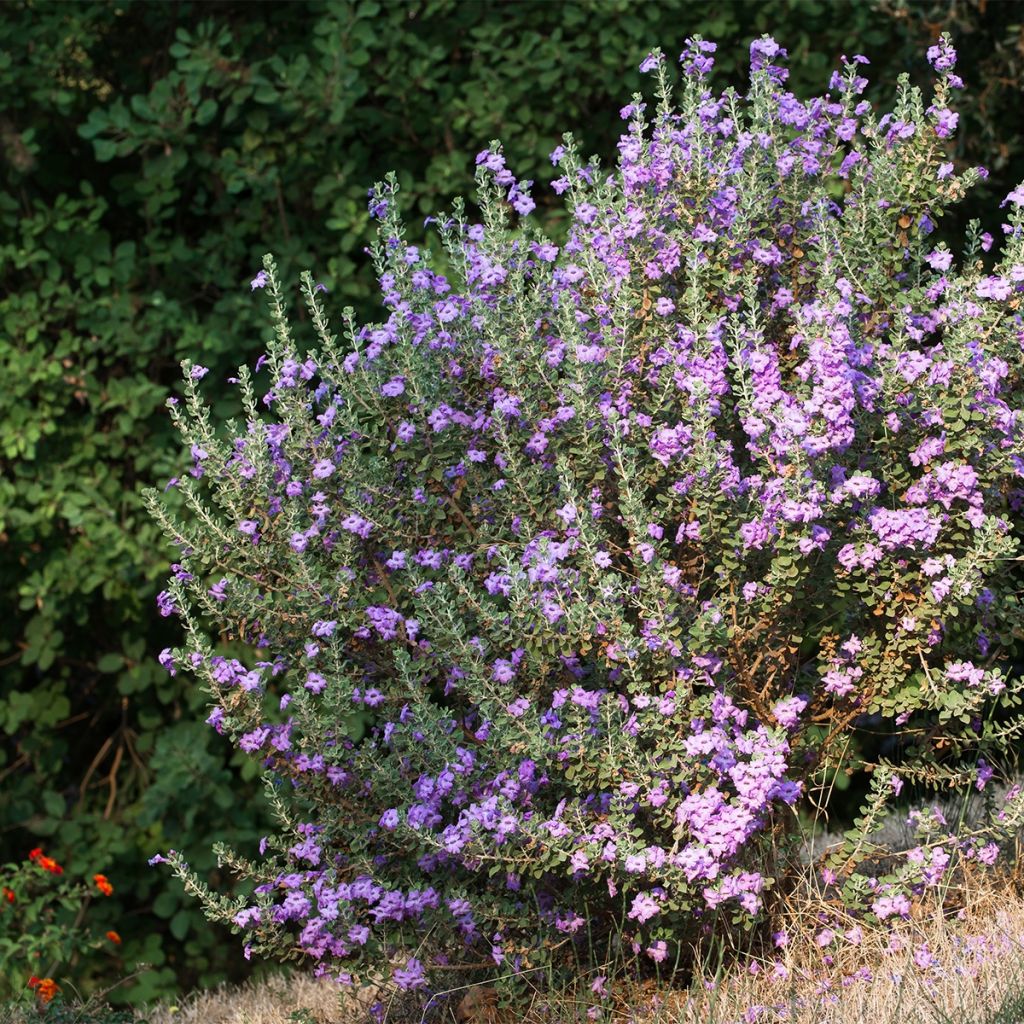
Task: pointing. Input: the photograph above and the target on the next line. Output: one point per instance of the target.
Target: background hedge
(150, 153)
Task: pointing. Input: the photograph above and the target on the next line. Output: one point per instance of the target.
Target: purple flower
(503, 672)
(358, 525)
(903, 527)
(567, 513)
(411, 976)
(694, 60)
(670, 442)
(1016, 197)
(988, 854)
(260, 280)
(385, 621)
(787, 712)
(754, 534)
(254, 740)
(658, 952)
(247, 917)
(891, 906)
(761, 52)
(942, 56)
(315, 682)
(643, 908)
(841, 681)
(650, 62)
(518, 707)
(993, 288)
(520, 199)
(636, 864)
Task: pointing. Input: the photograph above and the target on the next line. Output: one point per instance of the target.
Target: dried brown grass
(272, 1001)
(975, 945)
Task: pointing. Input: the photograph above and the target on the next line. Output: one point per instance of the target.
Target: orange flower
(8, 894)
(46, 988)
(46, 863)
(114, 938)
(103, 884)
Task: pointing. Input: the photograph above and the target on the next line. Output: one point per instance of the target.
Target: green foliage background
(150, 153)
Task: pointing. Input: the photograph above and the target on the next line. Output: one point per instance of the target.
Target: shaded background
(150, 153)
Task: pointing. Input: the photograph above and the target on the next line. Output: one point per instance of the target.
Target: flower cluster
(44, 988)
(569, 579)
(37, 857)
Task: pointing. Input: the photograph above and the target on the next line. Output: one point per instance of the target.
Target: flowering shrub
(572, 580)
(41, 916)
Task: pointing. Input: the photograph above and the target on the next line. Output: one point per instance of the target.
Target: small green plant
(302, 1016)
(42, 913)
(1011, 1011)
(60, 1012)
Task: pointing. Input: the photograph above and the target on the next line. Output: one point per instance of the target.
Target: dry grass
(936, 968)
(268, 1002)
(978, 964)
(975, 964)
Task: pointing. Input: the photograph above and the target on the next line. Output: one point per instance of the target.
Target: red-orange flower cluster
(46, 988)
(103, 884)
(46, 863)
(8, 894)
(114, 938)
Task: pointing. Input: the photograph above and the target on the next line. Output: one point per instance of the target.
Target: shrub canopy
(571, 580)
